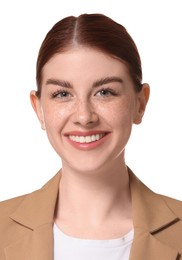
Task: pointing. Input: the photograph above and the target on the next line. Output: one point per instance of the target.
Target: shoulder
(7, 228)
(143, 195)
(7, 207)
(49, 189)
(174, 204)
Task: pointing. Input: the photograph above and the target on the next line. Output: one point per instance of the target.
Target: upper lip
(87, 133)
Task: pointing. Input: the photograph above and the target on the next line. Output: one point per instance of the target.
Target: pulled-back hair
(95, 31)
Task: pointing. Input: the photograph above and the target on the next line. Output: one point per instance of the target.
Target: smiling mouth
(86, 139)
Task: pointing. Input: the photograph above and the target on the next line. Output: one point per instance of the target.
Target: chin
(84, 166)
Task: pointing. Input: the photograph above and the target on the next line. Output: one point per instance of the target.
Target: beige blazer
(26, 224)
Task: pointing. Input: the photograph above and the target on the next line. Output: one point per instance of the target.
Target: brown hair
(95, 31)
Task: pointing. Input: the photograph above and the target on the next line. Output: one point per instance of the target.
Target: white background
(27, 160)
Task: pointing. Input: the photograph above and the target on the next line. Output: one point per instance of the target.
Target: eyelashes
(60, 94)
(106, 92)
(103, 92)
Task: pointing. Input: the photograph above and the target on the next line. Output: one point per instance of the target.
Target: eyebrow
(97, 83)
(58, 82)
(107, 80)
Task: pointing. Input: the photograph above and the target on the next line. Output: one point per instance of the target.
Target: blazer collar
(151, 215)
(36, 213)
(38, 207)
(150, 212)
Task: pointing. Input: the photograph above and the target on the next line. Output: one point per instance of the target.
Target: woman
(90, 93)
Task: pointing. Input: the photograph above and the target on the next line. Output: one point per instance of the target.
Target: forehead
(83, 63)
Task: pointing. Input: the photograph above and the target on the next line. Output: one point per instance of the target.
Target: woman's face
(87, 107)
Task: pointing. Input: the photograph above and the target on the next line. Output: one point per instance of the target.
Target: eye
(106, 93)
(61, 94)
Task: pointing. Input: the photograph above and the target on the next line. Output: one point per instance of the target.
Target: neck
(94, 199)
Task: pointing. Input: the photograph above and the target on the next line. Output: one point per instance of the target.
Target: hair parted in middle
(95, 31)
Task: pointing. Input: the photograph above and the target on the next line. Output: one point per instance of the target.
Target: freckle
(64, 111)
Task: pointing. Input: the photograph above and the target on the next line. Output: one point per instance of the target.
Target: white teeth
(93, 138)
(86, 139)
(97, 137)
(77, 138)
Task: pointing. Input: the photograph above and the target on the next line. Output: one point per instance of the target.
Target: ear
(142, 100)
(36, 104)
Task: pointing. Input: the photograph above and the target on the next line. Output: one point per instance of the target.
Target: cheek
(55, 116)
(119, 113)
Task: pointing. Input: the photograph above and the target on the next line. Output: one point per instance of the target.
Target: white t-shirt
(71, 248)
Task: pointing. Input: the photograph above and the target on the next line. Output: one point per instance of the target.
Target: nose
(85, 114)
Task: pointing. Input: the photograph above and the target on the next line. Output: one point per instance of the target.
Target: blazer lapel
(35, 214)
(35, 246)
(150, 216)
(146, 246)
